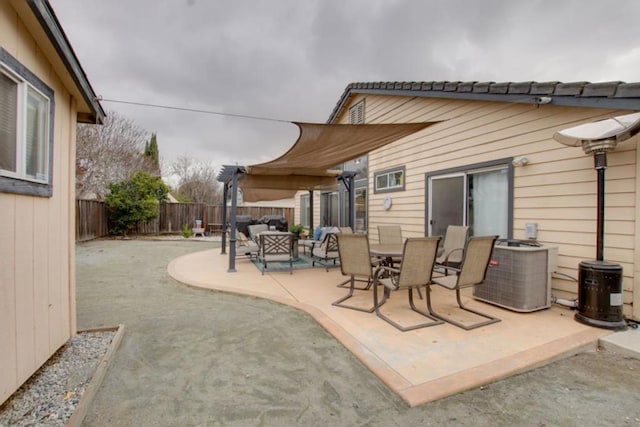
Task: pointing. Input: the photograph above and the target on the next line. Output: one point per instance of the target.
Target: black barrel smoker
(600, 282)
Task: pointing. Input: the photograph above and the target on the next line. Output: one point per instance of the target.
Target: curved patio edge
(521, 342)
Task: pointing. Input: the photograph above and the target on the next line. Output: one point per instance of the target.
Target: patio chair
(346, 230)
(244, 246)
(392, 235)
(389, 234)
(452, 250)
(275, 246)
(416, 271)
(472, 272)
(326, 251)
(255, 230)
(355, 262)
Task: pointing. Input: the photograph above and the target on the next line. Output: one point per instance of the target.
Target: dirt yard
(196, 357)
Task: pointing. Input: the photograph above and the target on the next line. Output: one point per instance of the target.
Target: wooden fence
(92, 218)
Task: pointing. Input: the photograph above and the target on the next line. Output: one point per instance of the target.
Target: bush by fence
(92, 218)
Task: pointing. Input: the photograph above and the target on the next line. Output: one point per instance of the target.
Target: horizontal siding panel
(551, 228)
(586, 213)
(562, 189)
(556, 190)
(574, 201)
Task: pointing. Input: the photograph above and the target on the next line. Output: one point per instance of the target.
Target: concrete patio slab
(421, 365)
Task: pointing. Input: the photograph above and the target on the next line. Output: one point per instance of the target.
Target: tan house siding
(37, 309)
(556, 190)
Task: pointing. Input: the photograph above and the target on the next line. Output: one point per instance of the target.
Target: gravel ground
(51, 395)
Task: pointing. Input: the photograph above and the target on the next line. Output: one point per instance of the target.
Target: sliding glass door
(479, 197)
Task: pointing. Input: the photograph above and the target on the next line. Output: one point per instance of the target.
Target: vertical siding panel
(59, 242)
(8, 321)
(25, 331)
(41, 255)
(68, 135)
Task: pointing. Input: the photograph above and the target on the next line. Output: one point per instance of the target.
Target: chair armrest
(384, 271)
(446, 258)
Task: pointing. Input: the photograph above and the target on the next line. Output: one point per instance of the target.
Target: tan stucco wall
(37, 295)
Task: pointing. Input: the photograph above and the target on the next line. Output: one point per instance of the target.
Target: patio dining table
(386, 251)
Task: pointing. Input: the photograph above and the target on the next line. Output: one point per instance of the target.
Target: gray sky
(292, 59)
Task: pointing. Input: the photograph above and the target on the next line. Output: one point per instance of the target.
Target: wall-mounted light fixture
(522, 161)
(541, 100)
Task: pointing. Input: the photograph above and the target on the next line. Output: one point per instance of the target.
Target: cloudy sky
(290, 60)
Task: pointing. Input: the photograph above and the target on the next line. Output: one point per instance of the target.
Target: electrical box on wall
(531, 230)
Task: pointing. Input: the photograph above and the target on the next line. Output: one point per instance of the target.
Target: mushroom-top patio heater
(600, 282)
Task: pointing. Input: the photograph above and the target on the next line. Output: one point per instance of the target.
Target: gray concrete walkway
(199, 357)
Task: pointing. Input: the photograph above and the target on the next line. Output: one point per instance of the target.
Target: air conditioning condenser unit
(519, 276)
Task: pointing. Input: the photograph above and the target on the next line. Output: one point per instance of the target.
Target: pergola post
(225, 194)
(232, 231)
(311, 211)
(348, 179)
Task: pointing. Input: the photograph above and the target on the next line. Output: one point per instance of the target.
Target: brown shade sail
(323, 146)
(308, 164)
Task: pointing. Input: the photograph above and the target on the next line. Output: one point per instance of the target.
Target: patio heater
(599, 281)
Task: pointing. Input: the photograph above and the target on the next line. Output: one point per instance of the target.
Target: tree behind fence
(92, 219)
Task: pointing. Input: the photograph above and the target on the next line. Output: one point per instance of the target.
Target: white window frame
(388, 173)
(28, 84)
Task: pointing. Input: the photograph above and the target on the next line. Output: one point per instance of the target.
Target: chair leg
(352, 288)
(490, 319)
(433, 320)
(348, 282)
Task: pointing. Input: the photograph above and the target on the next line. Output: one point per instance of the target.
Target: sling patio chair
(326, 251)
(355, 262)
(452, 250)
(275, 246)
(392, 235)
(472, 272)
(245, 246)
(416, 271)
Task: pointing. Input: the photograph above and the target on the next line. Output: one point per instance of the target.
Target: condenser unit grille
(519, 278)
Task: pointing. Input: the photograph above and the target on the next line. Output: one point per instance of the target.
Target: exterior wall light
(522, 161)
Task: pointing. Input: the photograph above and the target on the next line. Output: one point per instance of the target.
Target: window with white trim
(389, 180)
(26, 110)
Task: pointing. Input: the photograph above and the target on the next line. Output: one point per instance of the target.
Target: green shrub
(134, 200)
(186, 231)
(296, 229)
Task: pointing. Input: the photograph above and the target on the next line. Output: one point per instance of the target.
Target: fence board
(92, 217)
(91, 220)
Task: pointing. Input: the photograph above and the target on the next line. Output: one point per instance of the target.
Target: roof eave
(44, 14)
(521, 96)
